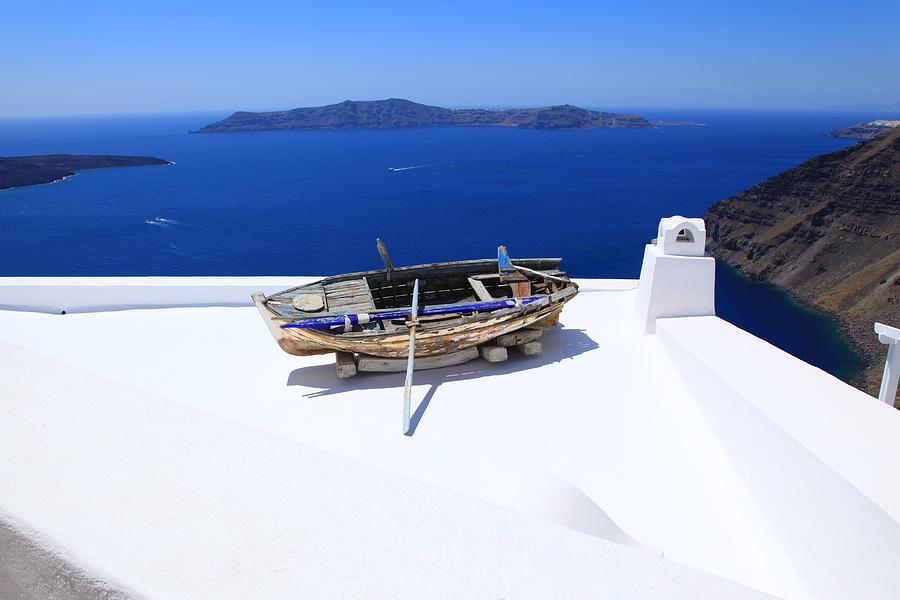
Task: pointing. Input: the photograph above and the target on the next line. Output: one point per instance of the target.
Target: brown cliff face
(828, 231)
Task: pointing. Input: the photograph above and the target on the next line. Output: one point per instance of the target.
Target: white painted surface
(89, 294)
(680, 236)
(674, 286)
(606, 285)
(891, 374)
(670, 442)
(111, 492)
(777, 443)
(857, 436)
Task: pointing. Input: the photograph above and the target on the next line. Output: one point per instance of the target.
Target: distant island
(828, 231)
(396, 113)
(16, 171)
(865, 131)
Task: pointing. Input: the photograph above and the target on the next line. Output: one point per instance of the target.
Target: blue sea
(314, 202)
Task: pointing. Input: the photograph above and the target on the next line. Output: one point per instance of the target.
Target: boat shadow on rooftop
(559, 344)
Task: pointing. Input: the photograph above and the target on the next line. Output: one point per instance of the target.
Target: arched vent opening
(685, 235)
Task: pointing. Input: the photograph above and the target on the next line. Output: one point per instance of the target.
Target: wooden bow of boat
(464, 304)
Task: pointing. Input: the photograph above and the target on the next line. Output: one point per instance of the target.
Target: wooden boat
(462, 304)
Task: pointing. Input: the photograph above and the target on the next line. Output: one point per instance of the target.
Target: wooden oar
(539, 273)
(410, 362)
(385, 257)
(505, 265)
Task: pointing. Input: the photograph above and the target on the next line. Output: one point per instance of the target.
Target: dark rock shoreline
(17, 171)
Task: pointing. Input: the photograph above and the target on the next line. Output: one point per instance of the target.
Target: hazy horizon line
(859, 107)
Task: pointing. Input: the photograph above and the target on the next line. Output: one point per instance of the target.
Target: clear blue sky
(123, 57)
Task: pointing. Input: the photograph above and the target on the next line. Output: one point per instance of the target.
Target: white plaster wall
(178, 503)
(674, 286)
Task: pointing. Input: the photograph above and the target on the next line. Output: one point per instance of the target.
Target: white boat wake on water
(162, 222)
(395, 169)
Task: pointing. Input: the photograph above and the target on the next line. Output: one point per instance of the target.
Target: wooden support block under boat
(517, 338)
(530, 348)
(493, 354)
(375, 364)
(344, 364)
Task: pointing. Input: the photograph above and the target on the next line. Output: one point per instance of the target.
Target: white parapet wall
(59, 295)
(678, 279)
(846, 429)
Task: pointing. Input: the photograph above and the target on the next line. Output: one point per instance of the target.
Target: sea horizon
(852, 113)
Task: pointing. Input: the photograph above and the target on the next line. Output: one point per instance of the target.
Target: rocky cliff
(397, 113)
(828, 231)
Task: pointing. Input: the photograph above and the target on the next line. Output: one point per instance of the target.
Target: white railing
(890, 336)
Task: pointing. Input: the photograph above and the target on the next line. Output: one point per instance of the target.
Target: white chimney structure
(678, 278)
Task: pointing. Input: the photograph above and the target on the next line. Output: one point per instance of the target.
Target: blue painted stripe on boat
(487, 305)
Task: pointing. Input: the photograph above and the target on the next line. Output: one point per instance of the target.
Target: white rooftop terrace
(156, 442)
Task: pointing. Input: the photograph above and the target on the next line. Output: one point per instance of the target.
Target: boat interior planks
(462, 304)
(351, 296)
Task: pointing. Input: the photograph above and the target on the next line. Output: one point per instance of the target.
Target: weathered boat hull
(306, 342)
(433, 338)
